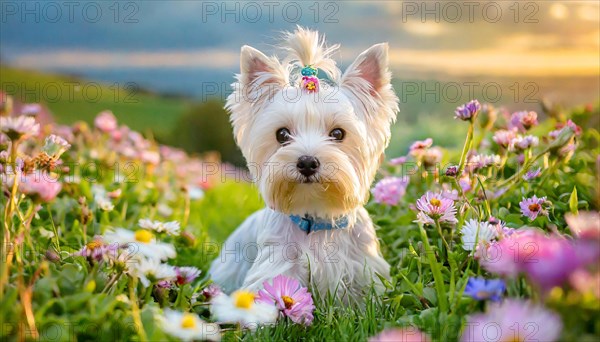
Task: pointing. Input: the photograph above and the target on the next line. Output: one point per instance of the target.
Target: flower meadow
(107, 235)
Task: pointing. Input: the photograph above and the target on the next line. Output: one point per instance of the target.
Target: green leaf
(573, 201)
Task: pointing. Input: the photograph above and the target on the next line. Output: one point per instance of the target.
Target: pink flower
(523, 120)
(409, 334)
(546, 260)
(435, 207)
(310, 83)
(481, 161)
(532, 207)
(186, 275)
(586, 282)
(504, 137)
(40, 186)
(150, 157)
(586, 225)
(513, 320)
(293, 300)
(432, 156)
(390, 190)
(106, 122)
(19, 127)
(418, 147)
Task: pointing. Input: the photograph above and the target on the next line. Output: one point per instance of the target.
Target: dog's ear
(258, 70)
(367, 83)
(259, 79)
(370, 69)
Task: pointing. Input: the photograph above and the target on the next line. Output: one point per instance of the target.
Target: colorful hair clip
(310, 82)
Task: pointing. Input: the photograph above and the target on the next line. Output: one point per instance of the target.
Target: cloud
(493, 61)
(499, 62)
(61, 59)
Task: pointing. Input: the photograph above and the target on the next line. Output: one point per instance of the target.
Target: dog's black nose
(307, 165)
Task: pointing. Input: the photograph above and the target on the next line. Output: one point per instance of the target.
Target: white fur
(362, 103)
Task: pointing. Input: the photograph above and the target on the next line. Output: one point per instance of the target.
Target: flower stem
(466, 148)
(437, 274)
(439, 229)
(135, 311)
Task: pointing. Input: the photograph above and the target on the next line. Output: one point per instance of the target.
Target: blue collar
(310, 224)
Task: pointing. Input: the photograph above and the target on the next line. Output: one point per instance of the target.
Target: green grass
(427, 281)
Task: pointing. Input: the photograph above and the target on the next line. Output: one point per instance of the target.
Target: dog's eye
(283, 135)
(337, 134)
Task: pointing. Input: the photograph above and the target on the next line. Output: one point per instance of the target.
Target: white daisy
(150, 271)
(241, 308)
(101, 198)
(141, 242)
(476, 232)
(188, 326)
(171, 228)
(195, 193)
(17, 127)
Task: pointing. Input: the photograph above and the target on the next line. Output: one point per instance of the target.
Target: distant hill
(71, 98)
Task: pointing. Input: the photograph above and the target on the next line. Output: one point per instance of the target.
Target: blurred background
(164, 67)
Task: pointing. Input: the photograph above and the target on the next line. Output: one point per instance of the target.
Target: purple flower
(524, 142)
(531, 174)
(98, 251)
(390, 190)
(435, 207)
(483, 289)
(468, 111)
(523, 120)
(532, 207)
(165, 284)
(31, 109)
(512, 320)
(211, 291)
(398, 161)
(451, 171)
(186, 275)
(465, 183)
(292, 300)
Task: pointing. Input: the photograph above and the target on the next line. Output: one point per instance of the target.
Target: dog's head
(313, 151)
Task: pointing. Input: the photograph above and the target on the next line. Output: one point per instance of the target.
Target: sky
(170, 45)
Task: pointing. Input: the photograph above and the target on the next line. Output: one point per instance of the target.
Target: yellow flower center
(513, 339)
(310, 86)
(93, 245)
(288, 301)
(435, 202)
(144, 236)
(188, 321)
(243, 299)
(534, 207)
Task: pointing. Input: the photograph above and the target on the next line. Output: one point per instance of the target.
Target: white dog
(313, 147)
